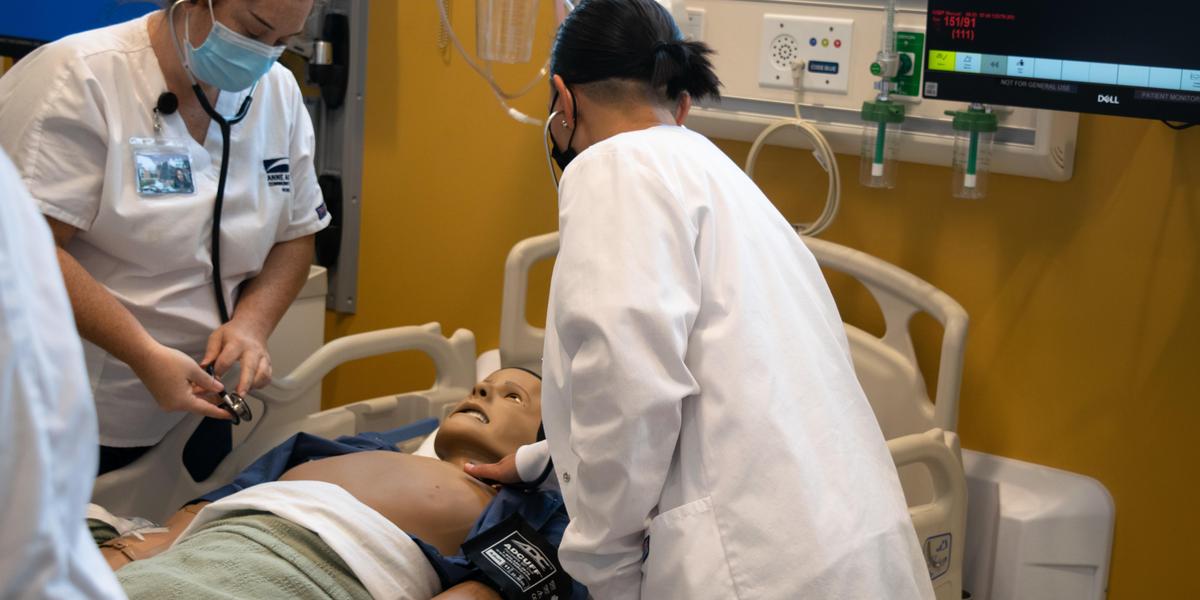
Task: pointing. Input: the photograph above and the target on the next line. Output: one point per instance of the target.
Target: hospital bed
(1016, 509)
(920, 431)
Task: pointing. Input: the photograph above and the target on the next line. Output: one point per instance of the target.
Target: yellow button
(825, 43)
(942, 60)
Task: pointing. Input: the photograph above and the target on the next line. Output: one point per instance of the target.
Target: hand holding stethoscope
(178, 383)
(200, 393)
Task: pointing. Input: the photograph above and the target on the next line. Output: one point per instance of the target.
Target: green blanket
(247, 554)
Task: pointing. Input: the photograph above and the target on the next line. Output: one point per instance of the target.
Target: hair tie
(662, 47)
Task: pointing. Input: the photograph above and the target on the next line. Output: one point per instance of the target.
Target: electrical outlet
(823, 44)
(694, 27)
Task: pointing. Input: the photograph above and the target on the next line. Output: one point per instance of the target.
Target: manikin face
(502, 414)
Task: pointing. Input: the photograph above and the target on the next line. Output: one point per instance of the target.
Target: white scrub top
(47, 423)
(698, 390)
(67, 113)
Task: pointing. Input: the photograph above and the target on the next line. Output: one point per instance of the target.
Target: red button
(837, 43)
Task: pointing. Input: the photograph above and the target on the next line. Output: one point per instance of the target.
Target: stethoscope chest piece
(237, 407)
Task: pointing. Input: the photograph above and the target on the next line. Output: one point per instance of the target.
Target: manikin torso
(430, 499)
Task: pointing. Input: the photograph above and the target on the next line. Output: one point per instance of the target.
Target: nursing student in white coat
(47, 422)
(701, 409)
(130, 191)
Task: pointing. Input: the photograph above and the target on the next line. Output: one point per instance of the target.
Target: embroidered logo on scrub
(279, 173)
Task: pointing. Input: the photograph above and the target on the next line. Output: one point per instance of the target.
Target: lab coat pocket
(687, 556)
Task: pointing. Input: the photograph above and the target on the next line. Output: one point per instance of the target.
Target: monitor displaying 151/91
(1101, 56)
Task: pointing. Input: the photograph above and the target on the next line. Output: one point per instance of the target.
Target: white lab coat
(47, 421)
(67, 114)
(699, 391)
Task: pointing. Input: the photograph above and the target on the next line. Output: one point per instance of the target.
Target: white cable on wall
(486, 73)
(821, 150)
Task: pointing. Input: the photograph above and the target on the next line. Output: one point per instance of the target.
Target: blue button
(1046, 68)
(1133, 76)
(1020, 66)
(1165, 79)
(1073, 70)
(994, 64)
(812, 41)
(1191, 81)
(968, 62)
(1103, 73)
(818, 66)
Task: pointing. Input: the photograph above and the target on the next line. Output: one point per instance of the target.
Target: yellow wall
(451, 183)
(1084, 296)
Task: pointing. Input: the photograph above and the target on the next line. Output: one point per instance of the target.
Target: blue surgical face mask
(227, 59)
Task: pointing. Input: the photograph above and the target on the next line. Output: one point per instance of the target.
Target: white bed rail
(901, 295)
(944, 516)
(521, 342)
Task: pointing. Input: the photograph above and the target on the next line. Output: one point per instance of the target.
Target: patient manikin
(430, 499)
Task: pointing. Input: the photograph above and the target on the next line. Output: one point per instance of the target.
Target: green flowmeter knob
(882, 111)
(974, 119)
(876, 69)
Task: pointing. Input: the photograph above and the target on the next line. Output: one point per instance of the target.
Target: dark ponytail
(632, 40)
(683, 66)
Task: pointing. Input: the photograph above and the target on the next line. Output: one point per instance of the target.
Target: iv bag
(504, 29)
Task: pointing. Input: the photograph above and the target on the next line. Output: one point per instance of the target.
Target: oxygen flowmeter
(882, 117)
(974, 132)
(881, 134)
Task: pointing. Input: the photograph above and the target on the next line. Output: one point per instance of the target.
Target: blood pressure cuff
(518, 561)
(539, 516)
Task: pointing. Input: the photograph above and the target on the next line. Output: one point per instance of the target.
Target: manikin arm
(470, 590)
(128, 548)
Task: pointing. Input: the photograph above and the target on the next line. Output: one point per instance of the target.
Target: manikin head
(502, 414)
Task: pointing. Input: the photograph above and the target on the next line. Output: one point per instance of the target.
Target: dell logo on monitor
(1106, 99)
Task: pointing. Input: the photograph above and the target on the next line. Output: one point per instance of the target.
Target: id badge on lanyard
(162, 166)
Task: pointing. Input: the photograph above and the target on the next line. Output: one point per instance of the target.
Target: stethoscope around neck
(234, 404)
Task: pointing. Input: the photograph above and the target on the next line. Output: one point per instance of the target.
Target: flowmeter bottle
(974, 133)
(880, 142)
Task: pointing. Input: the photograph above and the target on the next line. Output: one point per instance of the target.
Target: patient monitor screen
(1139, 59)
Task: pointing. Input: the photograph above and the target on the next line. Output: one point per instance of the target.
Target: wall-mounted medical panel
(838, 41)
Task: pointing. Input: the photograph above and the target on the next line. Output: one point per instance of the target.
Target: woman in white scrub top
(129, 194)
(706, 426)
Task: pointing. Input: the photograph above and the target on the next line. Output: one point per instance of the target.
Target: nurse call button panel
(822, 44)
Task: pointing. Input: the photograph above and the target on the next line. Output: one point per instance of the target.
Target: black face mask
(564, 157)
